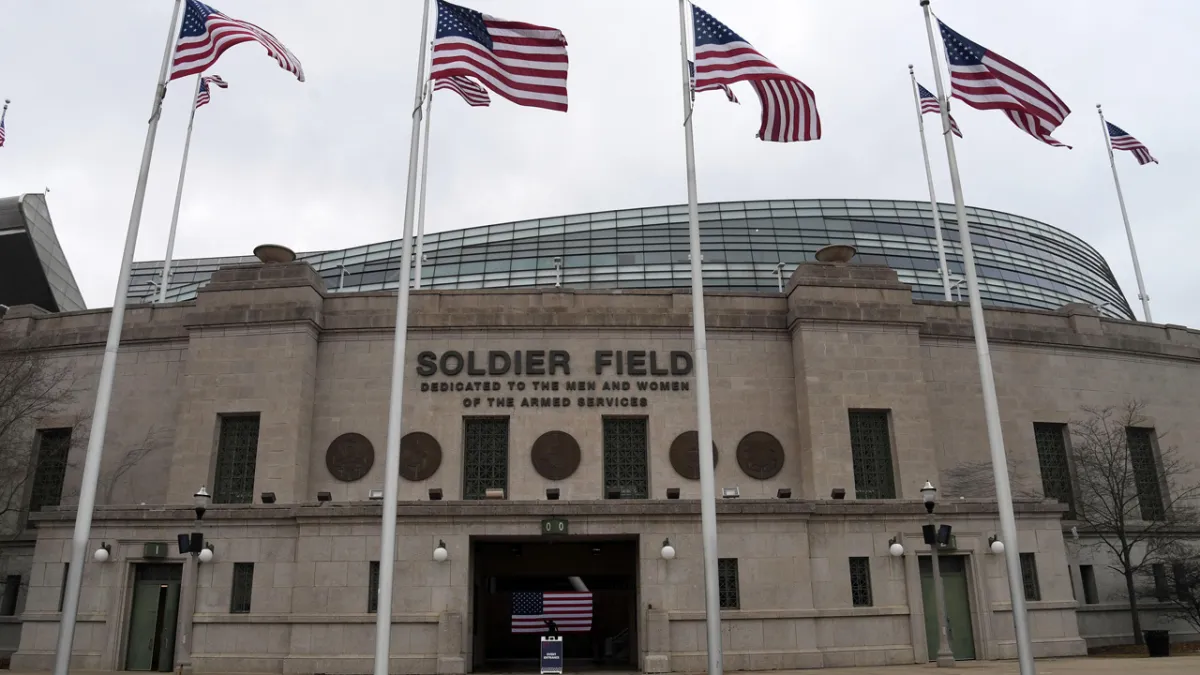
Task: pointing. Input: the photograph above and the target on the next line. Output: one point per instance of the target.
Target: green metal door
(958, 606)
(152, 617)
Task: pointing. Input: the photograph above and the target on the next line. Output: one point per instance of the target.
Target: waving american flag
(204, 96)
(471, 91)
(929, 104)
(789, 107)
(1121, 140)
(207, 33)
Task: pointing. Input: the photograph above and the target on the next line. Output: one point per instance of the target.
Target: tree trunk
(1133, 608)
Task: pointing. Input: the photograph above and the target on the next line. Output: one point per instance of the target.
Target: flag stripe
(205, 34)
(471, 91)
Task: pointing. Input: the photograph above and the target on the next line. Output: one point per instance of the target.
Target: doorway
(953, 569)
(152, 617)
(516, 581)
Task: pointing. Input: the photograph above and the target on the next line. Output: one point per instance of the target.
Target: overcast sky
(322, 164)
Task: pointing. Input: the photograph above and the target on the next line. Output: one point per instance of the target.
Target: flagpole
(391, 479)
(424, 180)
(104, 387)
(1137, 267)
(708, 499)
(187, 144)
(933, 204)
(991, 409)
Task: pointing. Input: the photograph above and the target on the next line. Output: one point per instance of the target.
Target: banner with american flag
(789, 107)
(571, 611)
(471, 91)
(985, 80)
(523, 62)
(929, 104)
(203, 96)
(206, 33)
(1121, 140)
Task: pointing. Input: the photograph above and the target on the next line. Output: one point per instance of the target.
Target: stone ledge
(773, 614)
(259, 619)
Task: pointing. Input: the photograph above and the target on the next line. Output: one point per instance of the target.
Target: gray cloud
(323, 164)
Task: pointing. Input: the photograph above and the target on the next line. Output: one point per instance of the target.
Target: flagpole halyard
(391, 479)
(708, 500)
(104, 387)
(933, 203)
(1137, 267)
(187, 144)
(424, 181)
(1008, 523)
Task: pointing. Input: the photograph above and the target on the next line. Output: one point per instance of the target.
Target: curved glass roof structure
(748, 246)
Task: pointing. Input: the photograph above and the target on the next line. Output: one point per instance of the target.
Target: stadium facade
(748, 246)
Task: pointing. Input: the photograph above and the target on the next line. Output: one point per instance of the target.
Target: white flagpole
(104, 387)
(187, 144)
(708, 498)
(391, 479)
(1137, 267)
(424, 180)
(991, 409)
(933, 203)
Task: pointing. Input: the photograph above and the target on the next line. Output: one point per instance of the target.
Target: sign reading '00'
(542, 378)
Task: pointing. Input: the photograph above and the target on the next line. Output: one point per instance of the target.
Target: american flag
(985, 80)
(471, 91)
(929, 104)
(203, 96)
(207, 33)
(570, 611)
(524, 63)
(2, 129)
(1121, 140)
(713, 87)
(789, 108)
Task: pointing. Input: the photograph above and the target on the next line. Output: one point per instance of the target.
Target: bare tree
(975, 480)
(1179, 597)
(1140, 508)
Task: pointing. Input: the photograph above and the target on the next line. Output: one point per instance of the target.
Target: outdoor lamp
(929, 494)
(995, 545)
(895, 548)
(440, 554)
(201, 499)
(101, 555)
(206, 554)
(668, 551)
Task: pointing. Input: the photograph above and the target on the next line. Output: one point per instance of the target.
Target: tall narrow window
(1162, 589)
(727, 583)
(373, 586)
(871, 452)
(860, 582)
(50, 469)
(237, 457)
(485, 456)
(1183, 585)
(1087, 576)
(1051, 442)
(625, 474)
(1145, 472)
(1029, 575)
(243, 585)
(12, 588)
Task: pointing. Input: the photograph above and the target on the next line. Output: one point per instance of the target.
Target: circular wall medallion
(685, 455)
(350, 457)
(760, 455)
(555, 455)
(420, 456)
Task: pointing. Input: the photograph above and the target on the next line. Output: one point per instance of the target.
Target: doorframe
(123, 612)
(973, 600)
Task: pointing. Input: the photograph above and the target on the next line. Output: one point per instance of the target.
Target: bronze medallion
(420, 456)
(350, 457)
(555, 455)
(760, 455)
(685, 455)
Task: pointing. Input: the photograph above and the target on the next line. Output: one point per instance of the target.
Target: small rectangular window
(1162, 590)
(1029, 575)
(12, 587)
(727, 583)
(860, 582)
(62, 587)
(373, 587)
(1087, 575)
(243, 584)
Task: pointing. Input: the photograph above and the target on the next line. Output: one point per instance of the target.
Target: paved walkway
(1095, 665)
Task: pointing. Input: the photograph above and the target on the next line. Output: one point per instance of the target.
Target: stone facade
(269, 340)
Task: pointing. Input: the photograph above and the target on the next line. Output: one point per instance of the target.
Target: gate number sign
(555, 526)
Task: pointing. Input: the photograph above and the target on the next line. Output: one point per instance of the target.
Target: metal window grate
(243, 585)
(485, 456)
(871, 452)
(860, 582)
(51, 469)
(237, 457)
(1145, 472)
(1029, 575)
(727, 583)
(625, 466)
(1051, 440)
(373, 587)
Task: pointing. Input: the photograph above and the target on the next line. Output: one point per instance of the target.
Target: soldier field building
(550, 445)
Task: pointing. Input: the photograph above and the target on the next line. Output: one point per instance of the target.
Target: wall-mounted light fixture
(206, 554)
(323, 497)
(668, 551)
(435, 494)
(784, 493)
(995, 545)
(440, 554)
(375, 494)
(672, 493)
(895, 548)
(552, 493)
(731, 493)
(838, 493)
(268, 497)
(200, 501)
(103, 553)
